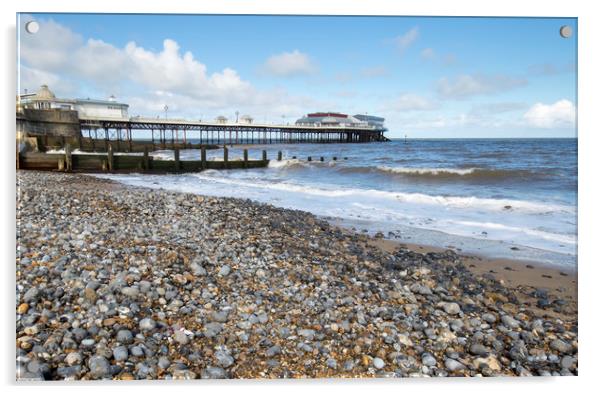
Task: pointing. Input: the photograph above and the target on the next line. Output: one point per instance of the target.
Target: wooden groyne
(123, 163)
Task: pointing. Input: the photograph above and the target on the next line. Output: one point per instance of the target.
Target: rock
(429, 360)
(137, 351)
(224, 270)
(212, 329)
(31, 295)
(272, 351)
(331, 363)
(220, 317)
(510, 322)
(213, 373)
(74, 358)
(90, 295)
(125, 337)
(184, 374)
(180, 337)
(307, 333)
(561, 346)
(453, 365)
(489, 362)
(223, 358)
(99, 366)
(22, 308)
(478, 349)
(489, 318)
(378, 363)
(131, 292)
(163, 363)
(451, 308)
(147, 324)
(120, 353)
(567, 362)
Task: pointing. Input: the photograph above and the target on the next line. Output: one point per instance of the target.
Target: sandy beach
(119, 282)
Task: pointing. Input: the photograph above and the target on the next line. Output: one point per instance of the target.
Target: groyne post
(245, 155)
(279, 155)
(309, 158)
(225, 157)
(264, 155)
(321, 158)
(145, 159)
(68, 158)
(110, 158)
(176, 158)
(203, 158)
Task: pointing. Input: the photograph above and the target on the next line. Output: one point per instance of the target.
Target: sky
(429, 77)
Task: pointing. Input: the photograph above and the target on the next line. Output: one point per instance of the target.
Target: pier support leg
(130, 139)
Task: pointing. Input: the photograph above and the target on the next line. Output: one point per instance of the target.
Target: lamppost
(236, 116)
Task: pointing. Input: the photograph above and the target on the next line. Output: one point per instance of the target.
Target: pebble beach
(119, 282)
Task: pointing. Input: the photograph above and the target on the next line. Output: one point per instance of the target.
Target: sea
(503, 198)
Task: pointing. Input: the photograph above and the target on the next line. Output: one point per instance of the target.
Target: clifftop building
(86, 108)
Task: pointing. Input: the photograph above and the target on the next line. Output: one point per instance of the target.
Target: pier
(166, 132)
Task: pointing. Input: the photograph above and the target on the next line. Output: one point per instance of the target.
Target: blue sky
(429, 77)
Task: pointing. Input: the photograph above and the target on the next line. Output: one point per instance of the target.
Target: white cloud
(289, 64)
(411, 102)
(465, 86)
(405, 40)
(557, 115)
(428, 54)
(147, 78)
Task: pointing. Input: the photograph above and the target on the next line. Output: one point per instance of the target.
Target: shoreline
(125, 282)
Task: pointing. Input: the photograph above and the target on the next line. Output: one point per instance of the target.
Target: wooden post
(79, 141)
(176, 157)
(225, 157)
(279, 155)
(68, 158)
(92, 139)
(245, 155)
(309, 158)
(110, 158)
(61, 164)
(145, 159)
(321, 158)
(104, 166)
(203, 158)
(334, 158)
(264, 155)
(130, 139)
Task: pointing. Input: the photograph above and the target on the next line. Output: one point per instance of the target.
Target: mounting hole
(566, 31)
(32, 27)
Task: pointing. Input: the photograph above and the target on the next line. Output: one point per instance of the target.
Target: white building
(246, 119)
(86, 108)
(221, 120)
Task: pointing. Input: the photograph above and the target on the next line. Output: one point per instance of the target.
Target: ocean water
(510, 198)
